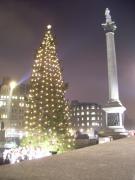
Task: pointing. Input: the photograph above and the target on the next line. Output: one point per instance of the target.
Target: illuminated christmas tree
(47, 115)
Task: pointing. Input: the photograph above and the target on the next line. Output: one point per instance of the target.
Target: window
(81, 130)
(93, 113)
(82, 113)
(95, 124)
(2, 103)
(82, 107)
(82, 124)
(21, 104)
(88, 118)
(93, 118)
(87, 112)
(92, 107)
(78, 113)
(88, 123)
(82, 118)
(4, 116)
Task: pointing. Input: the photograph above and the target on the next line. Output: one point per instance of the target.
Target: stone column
(114, 109)
(112, 67)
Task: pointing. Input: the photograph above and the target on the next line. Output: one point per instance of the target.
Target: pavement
(110, 161)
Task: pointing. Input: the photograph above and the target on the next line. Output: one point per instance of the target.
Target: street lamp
(12, 85)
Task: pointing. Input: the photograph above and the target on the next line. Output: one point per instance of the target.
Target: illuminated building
(12, 107)
(86, 117)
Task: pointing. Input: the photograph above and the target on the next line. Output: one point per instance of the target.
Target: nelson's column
(114, 109)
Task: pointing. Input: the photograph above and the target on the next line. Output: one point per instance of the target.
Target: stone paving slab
(110, 161)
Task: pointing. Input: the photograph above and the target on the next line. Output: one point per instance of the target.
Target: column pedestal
(114, 120)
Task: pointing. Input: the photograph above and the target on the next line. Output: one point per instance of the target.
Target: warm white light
(49, 26)
(13, 84)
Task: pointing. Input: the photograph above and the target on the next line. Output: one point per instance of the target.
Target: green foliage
(47, 114)
(59, 143)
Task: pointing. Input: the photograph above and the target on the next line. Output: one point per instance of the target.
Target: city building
(87, 118)
(12, 107)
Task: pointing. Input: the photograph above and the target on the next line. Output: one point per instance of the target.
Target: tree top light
(49, 26)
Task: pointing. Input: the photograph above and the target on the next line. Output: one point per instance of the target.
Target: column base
(116, 133)
(115, 119)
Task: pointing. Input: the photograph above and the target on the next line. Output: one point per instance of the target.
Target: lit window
(88, 123)
(4, 116)
(82, 124)
(93, 118)
(87, 107)
(88, 118)
(82, 118)
(78, 113)
(95, 124)
(87, 112)
(82, 107)
(82, 113)
(92, 107)
(93, 113)
(81, 130)
(1, 103)
(21, 104)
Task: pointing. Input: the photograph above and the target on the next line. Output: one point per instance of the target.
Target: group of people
(12, 156)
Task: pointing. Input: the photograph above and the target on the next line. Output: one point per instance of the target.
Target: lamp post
(12, 85)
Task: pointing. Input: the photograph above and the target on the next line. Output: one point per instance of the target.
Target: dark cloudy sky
(80, 43)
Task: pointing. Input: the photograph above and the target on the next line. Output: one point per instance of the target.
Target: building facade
(12, 108)
(87, 118)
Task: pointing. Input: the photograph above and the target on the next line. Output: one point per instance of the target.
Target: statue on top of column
(108, 16)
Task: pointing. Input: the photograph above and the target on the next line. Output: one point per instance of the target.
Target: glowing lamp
(13, 84)
(49, 26)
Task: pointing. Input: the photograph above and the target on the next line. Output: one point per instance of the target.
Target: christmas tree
(47, 114)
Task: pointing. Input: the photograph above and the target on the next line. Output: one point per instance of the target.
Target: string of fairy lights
(47, 110)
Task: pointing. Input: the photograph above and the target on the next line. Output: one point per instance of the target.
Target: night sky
(80, 42)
